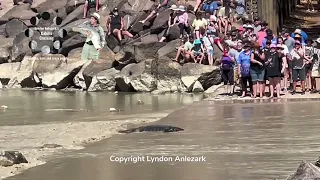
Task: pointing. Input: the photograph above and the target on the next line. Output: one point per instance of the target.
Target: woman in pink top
(182, 19)
(262, 33)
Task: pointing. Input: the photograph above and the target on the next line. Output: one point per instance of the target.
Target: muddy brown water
(240, 140)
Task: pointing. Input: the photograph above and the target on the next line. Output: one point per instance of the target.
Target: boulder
(75, 41)
(47, 5)
(3, 33)
(4, 55)
(89, 70)
(46, 63)
(10, 158)
(306, 171)
(14, 27)
(169, 49)
(197, 87)
(104, 80)
(26, 15)
(15, 11)
(62, 13)
(136, 26)
(146, 51)
(49, 22)
(206, 75)
(76, 23)
(174, 33)
(167, 74)
(160, 22)
(136, 77)
(152, 38)
(112, 41)
(73, 16)
(20, 47)
(61, 77)
(7, 71)
(6, 42)
(75, 54)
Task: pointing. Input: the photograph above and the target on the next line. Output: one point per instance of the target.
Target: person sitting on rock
(197, 51)
(115, 25)
(88, 4)
(212, 32)
(211, 6)
(171, 22)
(185, 50)
(224, 20)
(182, 19)
(198, 23)
(164, 4)
(208, 46)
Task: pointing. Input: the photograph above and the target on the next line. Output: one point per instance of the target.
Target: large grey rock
(197, 87)
(47, 5)
(160, 22)
(167, 74)
(306, 171)
(6, 42)
(10, 158)
(136, 77)
(4, 55)
(14, 12)
(169, 49)
(20, 47)
(61, 77)
(46, 63)
(146, 51)
(76, 23)
(91, 68)
(206, 75)
(14, 27)
(73, 16)
(75, 41)
(7, 71)
(104, 80)
(152, 38)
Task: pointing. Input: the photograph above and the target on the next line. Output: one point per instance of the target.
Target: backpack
(226, 63)
(245, 68)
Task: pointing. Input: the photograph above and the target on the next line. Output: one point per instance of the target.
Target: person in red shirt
(262, 33)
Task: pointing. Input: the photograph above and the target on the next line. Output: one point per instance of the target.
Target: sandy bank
(29, 138)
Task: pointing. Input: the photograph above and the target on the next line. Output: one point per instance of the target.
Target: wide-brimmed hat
(173, 7)
(244, 26)
(250, 26)
(298, 31)
(96, 16)
(181, 8)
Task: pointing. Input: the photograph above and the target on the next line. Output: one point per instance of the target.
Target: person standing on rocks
(90, 50)
(243, 62)
(298, 67)
(164, 4)
(171, 22)
(88, 4)
(115, 25)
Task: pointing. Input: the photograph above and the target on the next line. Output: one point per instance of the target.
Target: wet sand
(72, 120)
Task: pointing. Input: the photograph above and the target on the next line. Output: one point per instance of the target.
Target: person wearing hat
(183, 20)
(248, 32)
(303, 34)
(275, 69)
(88, 4)
(244, 61)
(197, 51)
(256, 25)
(257, 70)
(270, 36)
(309, 57)
(171, 22)
(298, 67)
(91, 48)
(116, 26)
(163, 5)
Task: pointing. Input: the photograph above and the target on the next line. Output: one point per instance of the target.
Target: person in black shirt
(257, 70)
(170, 23)
(115, 25)
(266, 51)
(275, 69)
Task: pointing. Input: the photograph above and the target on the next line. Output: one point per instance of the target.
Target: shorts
(315, 72)
(227, 76)
(91, 2)
(257, 76)
(197, 53)
(299, 74)
(211, 52)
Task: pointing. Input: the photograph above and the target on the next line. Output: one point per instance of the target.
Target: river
(240, 140)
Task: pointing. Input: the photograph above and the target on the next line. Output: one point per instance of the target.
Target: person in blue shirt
(211, 6)
(303, 34)
(243, 62)
(270, 37)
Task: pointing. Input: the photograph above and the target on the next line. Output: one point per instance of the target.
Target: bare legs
(86, 7)
(149, 17)
(274, 82)
(119, 34)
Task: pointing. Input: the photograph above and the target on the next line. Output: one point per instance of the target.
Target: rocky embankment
(142, 65)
